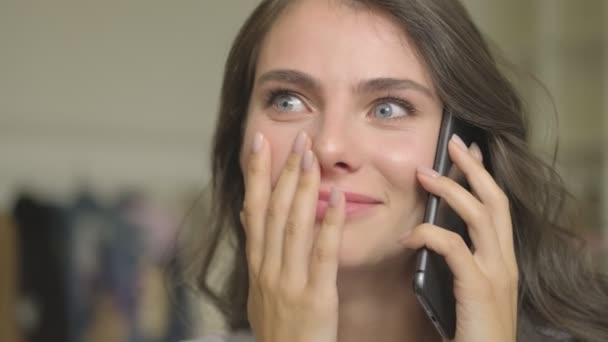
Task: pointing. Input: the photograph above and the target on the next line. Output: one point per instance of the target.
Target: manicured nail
(299, 144)
(476, 151)
(459, 142)
(334, 198)
(428, 172)
(307, 160)
(258, 141)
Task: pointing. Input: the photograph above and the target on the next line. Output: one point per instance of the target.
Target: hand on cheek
(292, 293)
(486, 281)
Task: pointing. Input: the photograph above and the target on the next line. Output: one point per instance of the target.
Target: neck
(378, 304)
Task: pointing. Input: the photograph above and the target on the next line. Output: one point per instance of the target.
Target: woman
(329, 118)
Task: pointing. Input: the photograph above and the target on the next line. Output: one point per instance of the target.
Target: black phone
(433, 280)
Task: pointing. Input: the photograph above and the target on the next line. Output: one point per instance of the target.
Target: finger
(300, 224)
(279, 206)
(257, 193)
(325, 253)
(503, 221)
(490, 194)
(447, 244)
(472, 212)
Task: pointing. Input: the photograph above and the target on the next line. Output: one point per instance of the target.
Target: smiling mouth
(356, 205)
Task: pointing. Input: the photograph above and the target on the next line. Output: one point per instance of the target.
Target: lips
(356, 204)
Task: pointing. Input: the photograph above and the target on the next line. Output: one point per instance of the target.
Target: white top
(540, 335)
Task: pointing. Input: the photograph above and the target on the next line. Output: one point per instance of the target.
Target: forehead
(337, 42)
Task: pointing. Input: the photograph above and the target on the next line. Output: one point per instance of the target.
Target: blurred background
(106, 115)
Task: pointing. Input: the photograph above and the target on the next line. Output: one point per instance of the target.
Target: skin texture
(357, 151)
(345, 103)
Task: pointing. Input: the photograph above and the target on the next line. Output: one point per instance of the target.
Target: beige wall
(563, 43)
(110, 93)
(605, 142)
(116, 93)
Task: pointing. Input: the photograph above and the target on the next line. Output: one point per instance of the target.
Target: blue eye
(287, 103)
(389, 110)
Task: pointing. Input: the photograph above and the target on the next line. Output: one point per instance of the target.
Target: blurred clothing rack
(8, 279)
(89, 270)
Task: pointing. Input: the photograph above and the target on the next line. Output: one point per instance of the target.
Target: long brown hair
(559, 288)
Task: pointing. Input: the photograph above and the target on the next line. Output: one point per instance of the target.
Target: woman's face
(353, 82)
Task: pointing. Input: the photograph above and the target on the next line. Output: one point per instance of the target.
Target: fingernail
(298, 146)
(459, 142)
(334, 198)
(258, 140)
(476, 151)
(307, 160)
(428, 172)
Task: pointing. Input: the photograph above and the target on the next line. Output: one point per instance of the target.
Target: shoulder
(240, 337)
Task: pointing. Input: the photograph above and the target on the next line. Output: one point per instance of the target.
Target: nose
(333, 142)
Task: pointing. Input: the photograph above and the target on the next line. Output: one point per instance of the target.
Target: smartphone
(433, 280)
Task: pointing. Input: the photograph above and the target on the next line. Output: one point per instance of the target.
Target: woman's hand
(486, 281)
(292, 269)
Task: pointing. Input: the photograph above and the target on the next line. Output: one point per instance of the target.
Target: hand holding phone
(467, 280)
(433, 280)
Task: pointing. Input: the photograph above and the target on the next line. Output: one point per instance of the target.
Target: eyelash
(407, 105)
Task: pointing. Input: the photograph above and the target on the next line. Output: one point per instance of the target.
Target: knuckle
(247, 211)
(288, 293)
(253, 262)
(263, 281)
(422, 231)
(254, 277)
(321, 301)
(291, 228)
(503, 199)
(274, 211)
(322, 254)
(242, 219)
(247, 206)
(266, 280)
(423, 228)
(315, 303)
(479, 215)
(253, 274)
(443, 183)
(449, 184)
(455, 241)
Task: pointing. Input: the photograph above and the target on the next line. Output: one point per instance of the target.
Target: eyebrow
(293, 77)
(387, 84)
(307, 82)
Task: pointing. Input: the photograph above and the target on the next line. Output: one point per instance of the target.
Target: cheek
(398, 166)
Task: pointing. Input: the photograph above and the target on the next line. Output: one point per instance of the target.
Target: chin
(361, 252)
